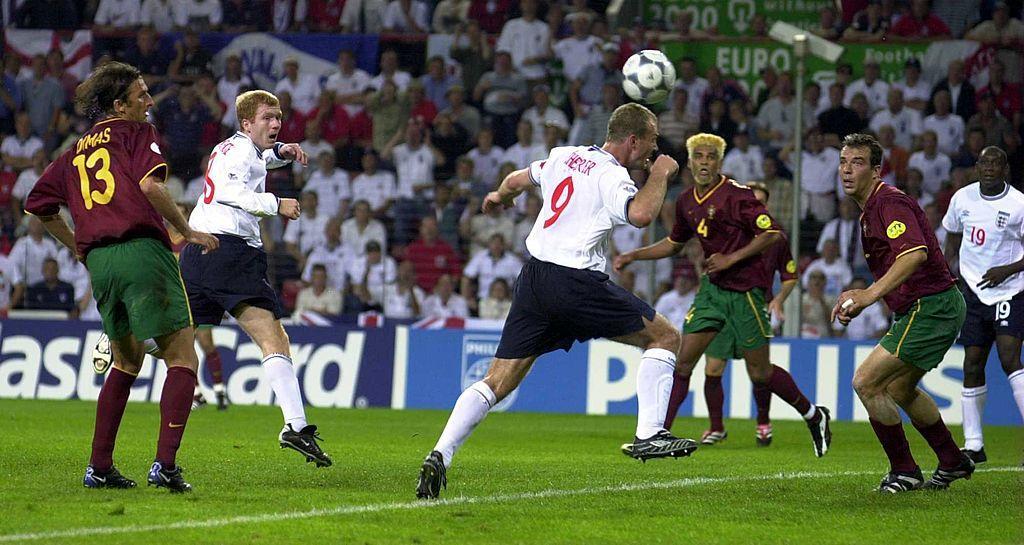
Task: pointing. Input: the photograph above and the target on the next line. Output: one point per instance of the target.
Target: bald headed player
(734, 229)
(914, 280)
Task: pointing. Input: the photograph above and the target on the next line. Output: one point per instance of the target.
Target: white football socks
(470, 409)
(653, 388)
(1017, 385)
(278, 368)
(973, 402)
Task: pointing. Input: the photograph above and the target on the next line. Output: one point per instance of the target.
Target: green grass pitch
(521, 478)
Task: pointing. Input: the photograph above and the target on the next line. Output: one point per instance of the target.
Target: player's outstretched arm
(56, 226)
(663, 248)
(511, 187)
(719, 262)
(851, 303)
(156, 192)
(779, 301)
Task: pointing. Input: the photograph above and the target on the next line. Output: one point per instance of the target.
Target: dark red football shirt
(778, 258)
(98, 179)
(726, 219)
(892, 224)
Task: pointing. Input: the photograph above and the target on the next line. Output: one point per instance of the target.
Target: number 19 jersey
(586, 193)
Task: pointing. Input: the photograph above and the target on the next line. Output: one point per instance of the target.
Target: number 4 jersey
(98, 179)
(993, 235)
(586, 193)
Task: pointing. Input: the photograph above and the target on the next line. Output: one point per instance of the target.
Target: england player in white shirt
(233, 279)
(563, 296)
(986, 221)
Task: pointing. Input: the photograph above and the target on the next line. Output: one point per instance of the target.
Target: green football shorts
(741, 315)
(922, 335)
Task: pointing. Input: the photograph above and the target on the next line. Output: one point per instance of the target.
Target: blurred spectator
(10, 93)
(482, 226)
(695, 85)
(324, 15)
(969, 153)
(914, 187)
(934, 216)
(490, 13)
(229, 86)
(819, 176)
(525, 225)
(331, 186)
(553, 133)
(743, 162)
(498, 302)
(472, 51)
(868, 25)
(449, 15)
(390, 114)
(920, 23)
(948, 127)
(406, 16)
(113, 15)
(894, 156)
(542, 112)
(676, 124)
(6, 285)
(814, 103)
(371, 273)
(350, 83)
(558, 27)
(421, 108)
(580, 50)
(1007, 96)
(319, 297)
(333, 121)
(180, 114)
(674, 304)
(337, 258)
(681, 29)
(313, 145)
(958, 15)
(860, 106)
(998, 131)
(916, 92)
(303, 88)
(145, 55)
(741, 117)
(872, 322)
(293, 122)
(437, 82)
(49, 14)
(816, 308)
(376, 187)
(527, 149)
(465, 115)
(829, 24)
(776, 120)
(190, 60)
(838, 120)
(905, 121)
(27, 257)
(361, 228)
(765, 88)
(528, 40)
(363, 16)
(19, 149)
(198, 15)
(488, 265)
(404, 298)
(845, 231)
(875, 89)
(286, 15)
(27, 180)
(51, 293)
(56, 70)
(781, 189)
(933, 164)
(444, 302)
(595, 128)
(487, 158)
(502, 93)
(446, 212)
(157, 14)
(1006, 33)
(389, 71)
(837, 272)
(464, 185)
(301, 236)
(414, 158)
(961, 91)
(431, 256)
(197, 186)
(243, 16)
(43, 100)
(717, 122)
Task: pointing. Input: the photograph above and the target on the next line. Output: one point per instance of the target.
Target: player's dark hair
(996, 150)
(95, 96)
(630, 119)
(861, 140)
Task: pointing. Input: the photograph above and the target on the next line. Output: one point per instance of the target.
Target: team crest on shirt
(791, 266)
(711, 212)
(895, 229)
(1002, 218)
(763, 221)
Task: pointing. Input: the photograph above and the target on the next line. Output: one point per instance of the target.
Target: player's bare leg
(973, 397)
(714, 395)
(690, 350)
(179, 354)
(1009, 349)
(268, 333)
(780, 382)
(126, 355)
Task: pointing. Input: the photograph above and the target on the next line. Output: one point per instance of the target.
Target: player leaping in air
(986, 221)
(562, 294)
(913, 278)
(735, 229)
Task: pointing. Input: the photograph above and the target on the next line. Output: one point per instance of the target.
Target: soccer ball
(649, 76)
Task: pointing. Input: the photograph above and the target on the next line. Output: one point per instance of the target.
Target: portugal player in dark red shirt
(734, 229)
(112, 181)
(913, 279)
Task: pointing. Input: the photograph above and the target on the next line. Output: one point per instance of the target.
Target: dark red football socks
(715, 397)
(109, 410)
(942, 443)
(213, 363)
(894, 443)
(175, 404)
(763, 400)
(680, 388)
(780, 382)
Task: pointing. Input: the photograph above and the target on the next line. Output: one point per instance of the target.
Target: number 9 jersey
(586, 193)
(98, 179)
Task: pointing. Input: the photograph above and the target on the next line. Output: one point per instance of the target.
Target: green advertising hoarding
(732, 17)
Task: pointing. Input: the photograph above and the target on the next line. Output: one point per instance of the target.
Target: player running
(904, 256)
(562, 295)
(724, 347)
(234, 279)
(734, 229)
(991, 213)
(112, 181)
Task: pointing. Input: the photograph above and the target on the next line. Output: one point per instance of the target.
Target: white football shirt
(993, 235)
(586, 193)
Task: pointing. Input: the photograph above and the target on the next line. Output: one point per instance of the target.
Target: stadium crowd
(401, 156)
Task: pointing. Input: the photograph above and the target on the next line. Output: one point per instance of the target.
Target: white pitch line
(421, 504)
